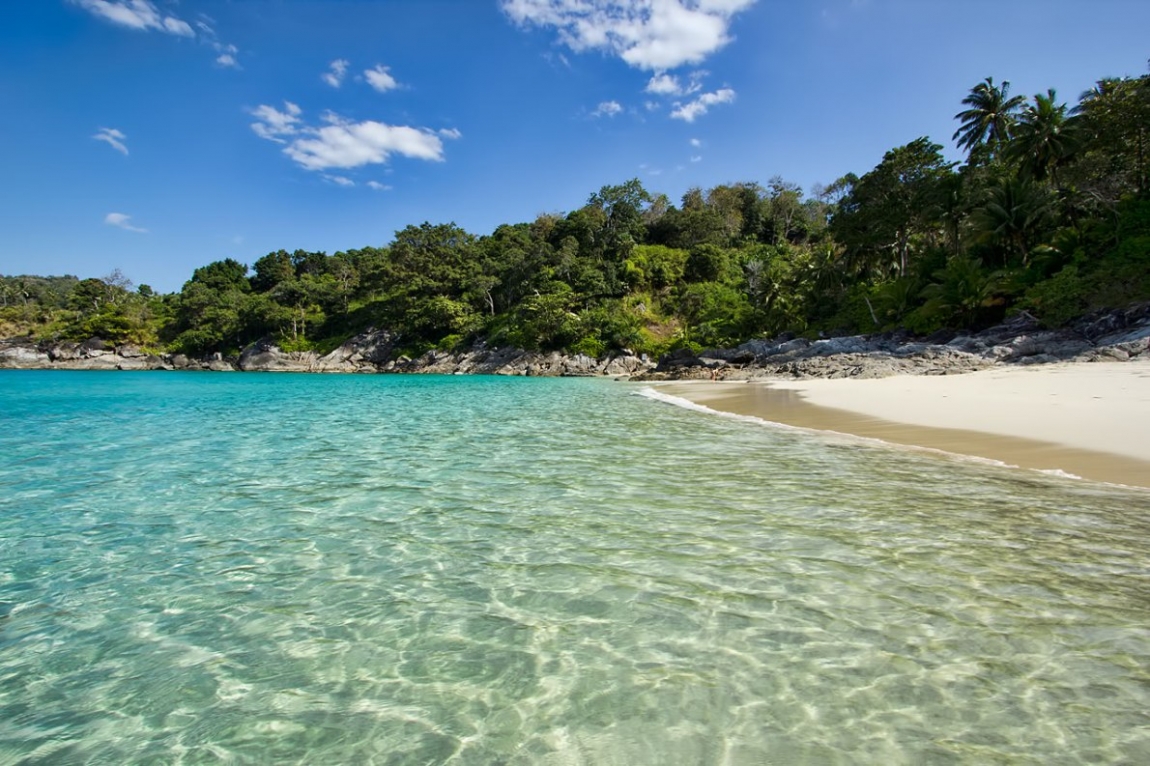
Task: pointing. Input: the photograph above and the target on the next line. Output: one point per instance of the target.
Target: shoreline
(1086, 420)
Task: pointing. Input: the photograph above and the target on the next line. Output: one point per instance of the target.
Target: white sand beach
(1090, 420)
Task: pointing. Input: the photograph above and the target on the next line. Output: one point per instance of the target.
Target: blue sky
(157, 136)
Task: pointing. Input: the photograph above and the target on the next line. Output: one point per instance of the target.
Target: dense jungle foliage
(1050, 214)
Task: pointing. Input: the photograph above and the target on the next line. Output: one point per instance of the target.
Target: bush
(1059, 299)
(592, 347)
(449, 342)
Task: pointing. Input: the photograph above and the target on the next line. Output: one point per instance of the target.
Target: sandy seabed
(1089, 420)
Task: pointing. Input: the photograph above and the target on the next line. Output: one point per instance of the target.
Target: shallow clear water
(213, 568)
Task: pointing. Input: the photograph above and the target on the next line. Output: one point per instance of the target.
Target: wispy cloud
(380, 78)
(607, 109)
(696, 143)
(692, 110)
(137, 14)
(144, 16)
(655, 35)
(227, 57)
(120, 220)
(663, 84)
(335, 74)
(273, 124)
(227, 52)
(339, 180)
(112, 138)
(377, 186)
(342, 143)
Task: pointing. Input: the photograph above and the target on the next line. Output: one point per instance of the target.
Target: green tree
(715, 314)
(988, 121)
(1045, 138)
(884, 210)
(1115, 130)
(272, 270)
(961, 292)
(227, 274)
(1014, 216)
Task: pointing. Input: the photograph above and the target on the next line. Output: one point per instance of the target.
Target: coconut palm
(1013, 217)
(1045, 138)
(989, 120)
(961, 291)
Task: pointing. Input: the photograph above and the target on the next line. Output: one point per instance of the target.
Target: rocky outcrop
(94, 354)
(375, 351)
(265, 356)
(1104, 337)
(1107, 336)
(510, 361)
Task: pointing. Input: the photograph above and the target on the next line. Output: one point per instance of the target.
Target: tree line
(1048, 214)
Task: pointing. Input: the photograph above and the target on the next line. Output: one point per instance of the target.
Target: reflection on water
(287, 569)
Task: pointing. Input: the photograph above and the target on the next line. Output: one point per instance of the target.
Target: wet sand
(1089, 420)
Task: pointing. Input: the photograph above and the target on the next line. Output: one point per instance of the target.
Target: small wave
(1061, 474)
(678, 401)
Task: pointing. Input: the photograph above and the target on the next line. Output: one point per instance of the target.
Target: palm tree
(961, 291)
(990, 119)
(1044, 139)
(1014, 215)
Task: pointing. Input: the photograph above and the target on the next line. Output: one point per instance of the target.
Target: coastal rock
(1108, 336)
(64, 352)
(363, 353)
(265, 356)
(23, 357)
(130, 352)
(94, 347)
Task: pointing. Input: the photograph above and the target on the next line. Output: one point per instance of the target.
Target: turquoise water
(213, 568)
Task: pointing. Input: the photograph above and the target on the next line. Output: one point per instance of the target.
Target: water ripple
(363, 569)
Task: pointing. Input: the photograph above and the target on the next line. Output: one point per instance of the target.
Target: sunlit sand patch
(1095, 431)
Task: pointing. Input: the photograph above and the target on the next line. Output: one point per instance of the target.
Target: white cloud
(113, 138)
(342, 143)
(143, 15)
(696, 158)
(227, 52)
(663, 84)
(272, 123)
(379, 78)
(121, 220)
(334, 76)
(692, 110)
(647, 34)
(607, 109)
(352, 144)
(451, 133)
(377, 186)
(696, 143)
(137, 14)
(340, 180)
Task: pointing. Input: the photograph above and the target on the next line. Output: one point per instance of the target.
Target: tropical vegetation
(1048, 214)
